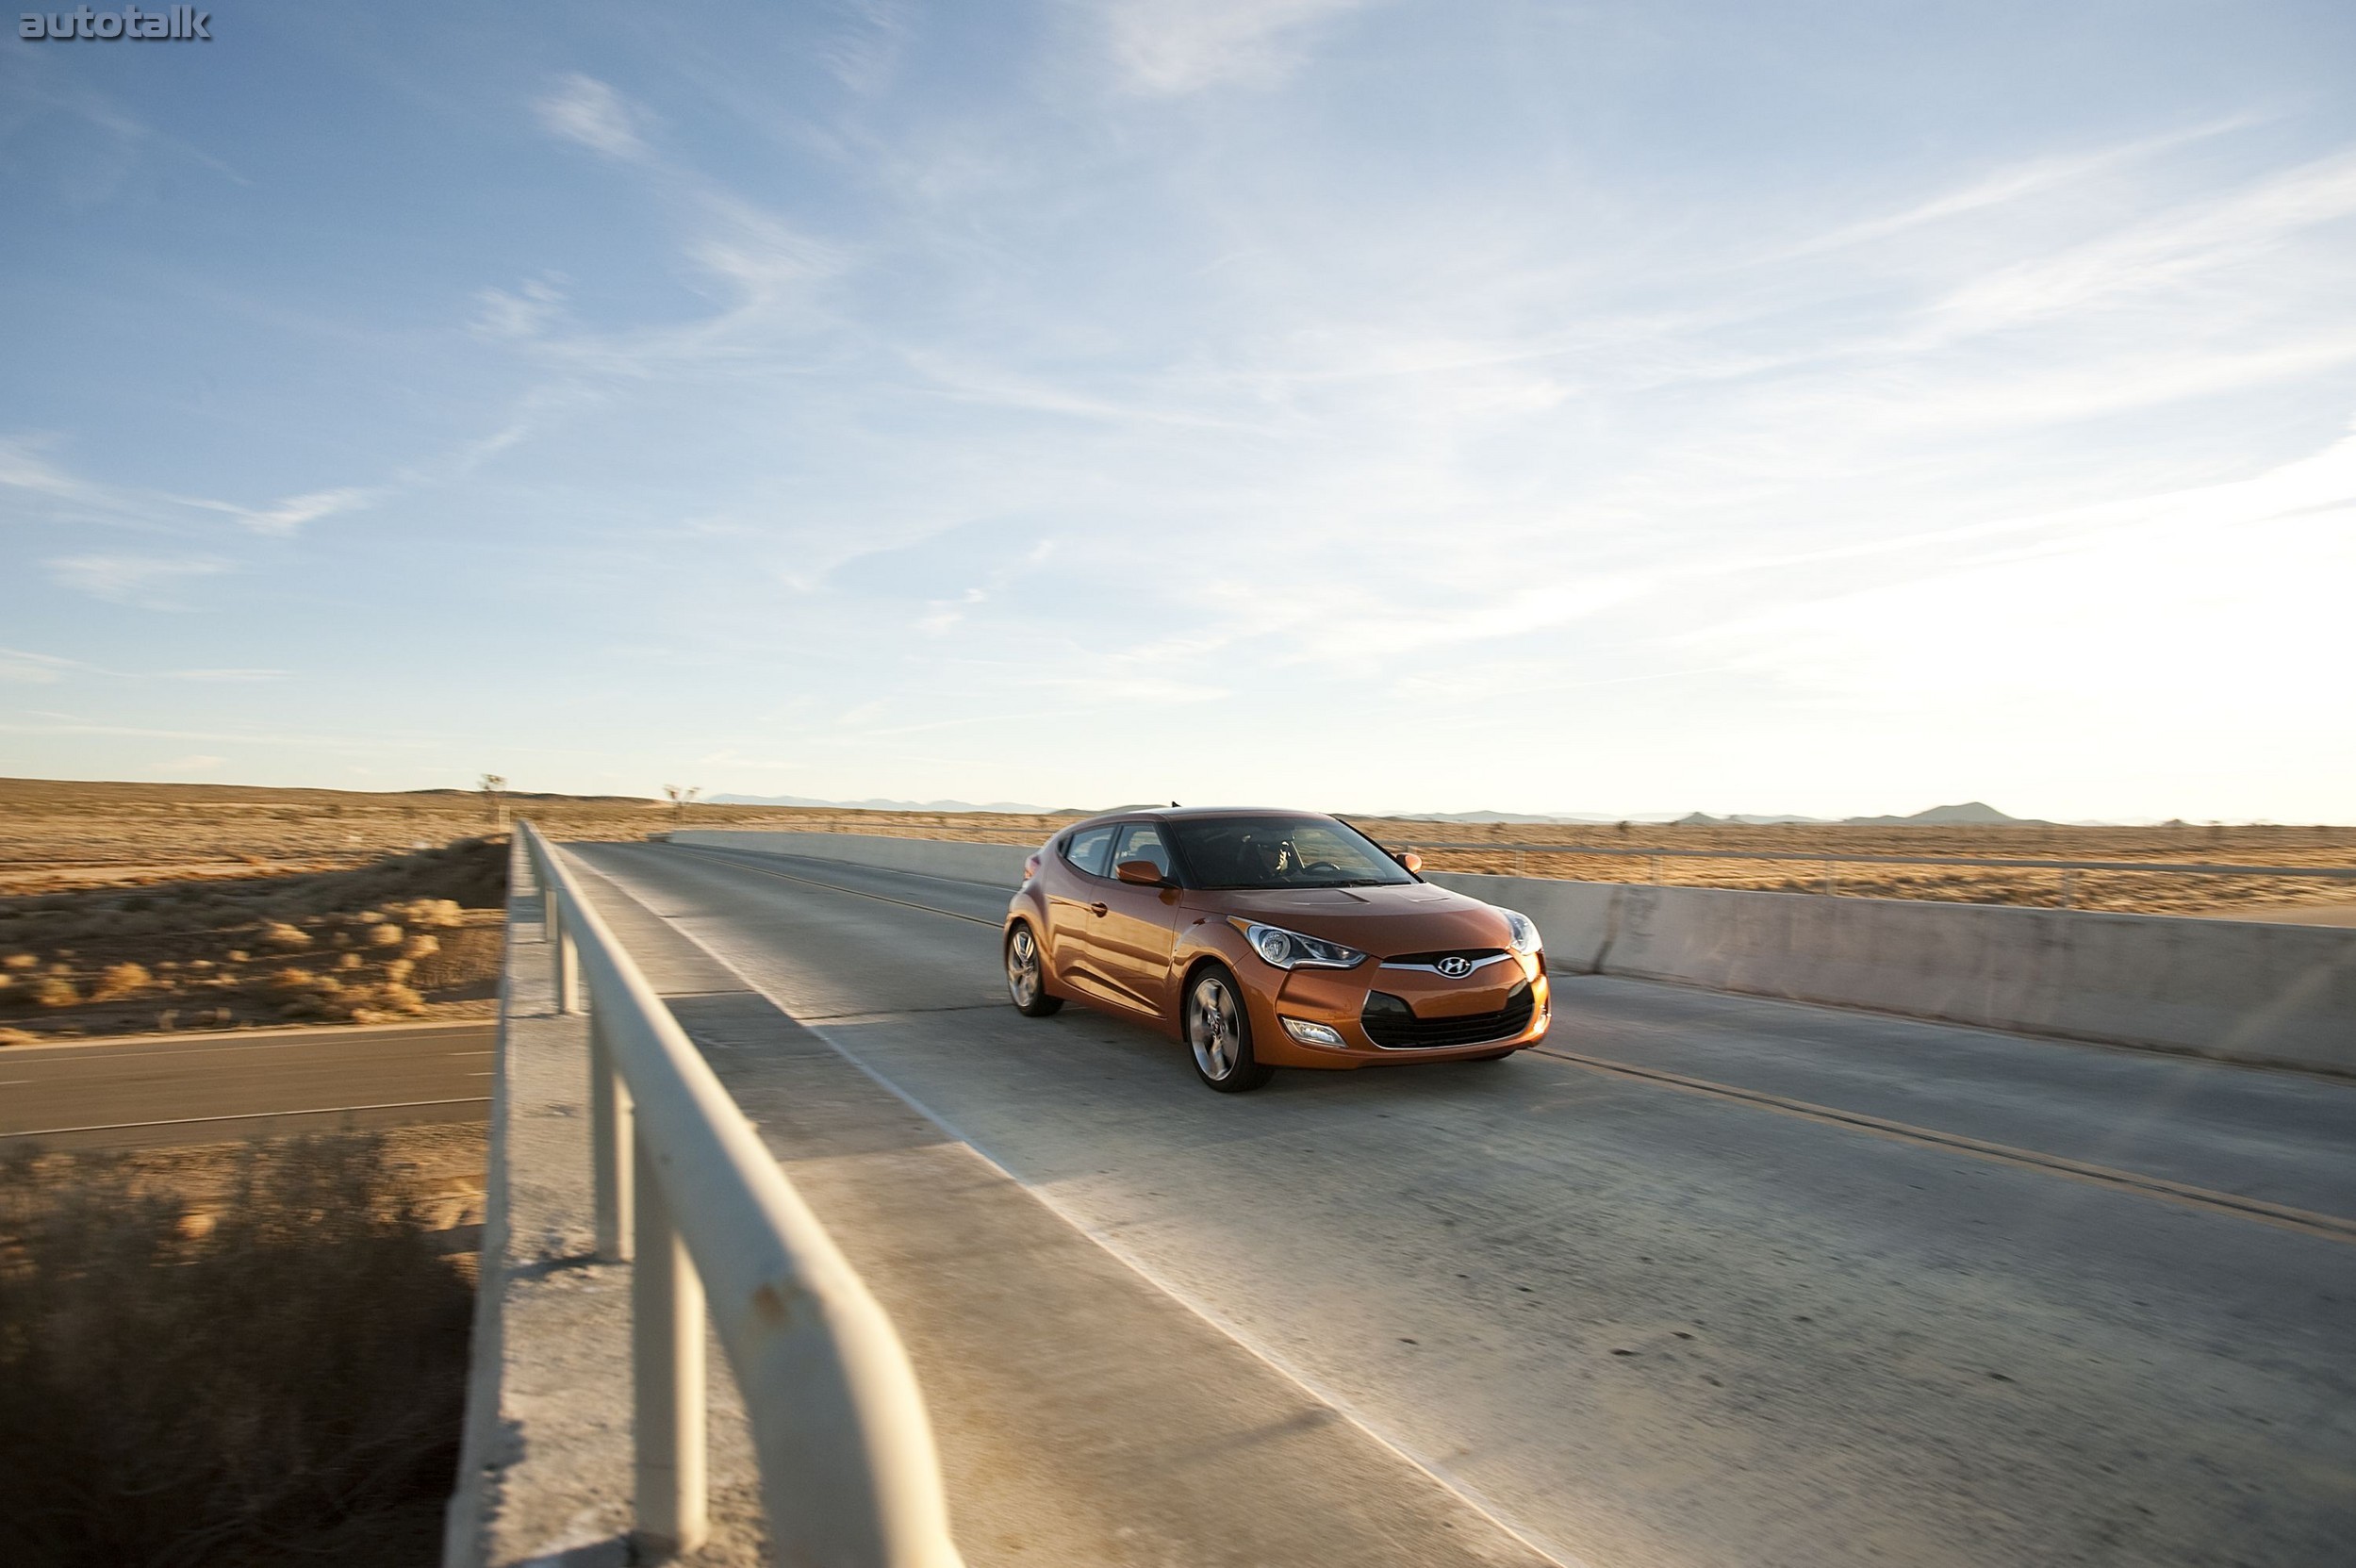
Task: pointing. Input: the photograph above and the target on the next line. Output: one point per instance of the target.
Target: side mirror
(1410, 859)
(1140, 873)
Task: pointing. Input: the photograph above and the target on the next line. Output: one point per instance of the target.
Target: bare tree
(682, 797)
(494, 787)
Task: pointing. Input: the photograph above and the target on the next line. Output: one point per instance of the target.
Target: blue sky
(1610, 407)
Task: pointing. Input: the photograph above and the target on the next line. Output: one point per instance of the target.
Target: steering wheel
(1320, 866)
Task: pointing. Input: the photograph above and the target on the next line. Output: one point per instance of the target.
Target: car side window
(1143, 841)
(1091, 849)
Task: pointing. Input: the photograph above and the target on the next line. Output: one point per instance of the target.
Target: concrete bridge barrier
(2239, 991)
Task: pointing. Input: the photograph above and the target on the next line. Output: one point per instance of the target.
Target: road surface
(202, 1088)
(1721, 1281)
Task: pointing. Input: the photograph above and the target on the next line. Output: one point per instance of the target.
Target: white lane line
(2331, 1225)
(245, 1116)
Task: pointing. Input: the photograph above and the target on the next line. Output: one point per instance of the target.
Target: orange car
(1270, 939)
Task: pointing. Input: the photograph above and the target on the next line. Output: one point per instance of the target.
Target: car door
(1075, 897)
(1131, 942)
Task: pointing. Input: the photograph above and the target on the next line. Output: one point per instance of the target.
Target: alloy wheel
(1022, 968)
(1213, 1027)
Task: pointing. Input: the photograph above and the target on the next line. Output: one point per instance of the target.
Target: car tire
(1218, 1029)
(1026, 974)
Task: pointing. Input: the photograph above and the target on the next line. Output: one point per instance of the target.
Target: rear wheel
(1219, 1033)
(1025, 987)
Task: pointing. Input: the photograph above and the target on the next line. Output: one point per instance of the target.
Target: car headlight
(1290, 949)
(1526, 939)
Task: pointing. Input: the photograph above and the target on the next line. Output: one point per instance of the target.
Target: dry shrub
(348, 961)
(399, 970)
(18, 1037)
(430, 912)
(6, 980)
(383, 936)
(284, 1387)
(420, 947)
(119, 981)
(56, 991)
(286, 938)
(20, 961)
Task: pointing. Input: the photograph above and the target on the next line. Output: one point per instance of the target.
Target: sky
(1613, 407)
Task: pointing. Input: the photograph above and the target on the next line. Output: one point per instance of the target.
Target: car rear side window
(1091, 849)
(1143, 841)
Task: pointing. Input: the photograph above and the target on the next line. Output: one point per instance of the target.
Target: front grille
(1471, 955)
(1391, 1024)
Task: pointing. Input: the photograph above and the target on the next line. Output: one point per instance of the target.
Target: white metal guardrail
(849, 1475)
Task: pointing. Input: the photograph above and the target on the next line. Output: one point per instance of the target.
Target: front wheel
(1025, 986)
(1219, 1032)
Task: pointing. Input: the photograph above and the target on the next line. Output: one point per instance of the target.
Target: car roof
(1168, 814)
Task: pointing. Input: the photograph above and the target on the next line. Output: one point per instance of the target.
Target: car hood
(1403, 918)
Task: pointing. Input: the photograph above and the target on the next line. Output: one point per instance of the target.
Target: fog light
(1311, 1034)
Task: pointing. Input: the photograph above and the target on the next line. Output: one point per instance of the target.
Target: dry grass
(409, 934)
(2125, 891)
(274, 1378)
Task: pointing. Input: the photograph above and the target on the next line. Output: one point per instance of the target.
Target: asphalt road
(1719, 1282)
(201, 1088)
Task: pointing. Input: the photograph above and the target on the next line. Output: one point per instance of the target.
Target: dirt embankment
(410, 936)
(250, 1354)
(1823, 849)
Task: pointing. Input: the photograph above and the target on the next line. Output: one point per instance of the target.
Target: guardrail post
(611, 1137)
(1828, 876)
(568, 974)
(667, 1363)
(564, 954)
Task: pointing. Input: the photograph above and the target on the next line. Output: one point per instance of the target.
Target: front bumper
(1451, 1010)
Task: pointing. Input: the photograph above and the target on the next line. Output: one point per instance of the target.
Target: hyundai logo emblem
(1456, 965)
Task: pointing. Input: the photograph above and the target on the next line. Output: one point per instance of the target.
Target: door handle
(1099, 909)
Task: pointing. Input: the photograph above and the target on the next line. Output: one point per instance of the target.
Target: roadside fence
(686, 1193)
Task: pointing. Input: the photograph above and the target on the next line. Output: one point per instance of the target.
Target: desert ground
(132, 908)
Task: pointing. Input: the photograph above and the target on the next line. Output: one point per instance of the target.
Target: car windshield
(1281, 851)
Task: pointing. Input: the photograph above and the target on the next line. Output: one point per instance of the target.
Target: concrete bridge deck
(1753, 1283)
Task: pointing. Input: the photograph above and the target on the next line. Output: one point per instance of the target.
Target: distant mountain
(1974, 814)
(1977, 814)
(1011, 808)
(1741, 819)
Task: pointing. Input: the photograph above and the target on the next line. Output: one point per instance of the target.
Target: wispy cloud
(148, 582)
(27, 471)
(526, 313)
(584, 109)
(287, 517)
(26, 669)
(1165, 47)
